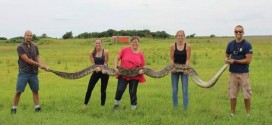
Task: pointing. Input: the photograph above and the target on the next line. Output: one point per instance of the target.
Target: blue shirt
(238, 51)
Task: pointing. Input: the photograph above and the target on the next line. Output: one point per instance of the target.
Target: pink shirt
(129, 59)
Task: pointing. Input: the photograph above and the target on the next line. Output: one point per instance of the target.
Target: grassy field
(61, 99)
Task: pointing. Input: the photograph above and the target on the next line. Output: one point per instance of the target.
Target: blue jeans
(184, 81)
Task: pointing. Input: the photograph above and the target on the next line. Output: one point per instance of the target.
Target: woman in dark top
(98, 56)
(180, 53)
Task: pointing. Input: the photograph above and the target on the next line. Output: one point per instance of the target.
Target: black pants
(121, 87)
(93, 80)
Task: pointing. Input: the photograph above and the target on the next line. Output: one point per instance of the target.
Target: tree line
(109, 33)
(20, 38)
(112, 32)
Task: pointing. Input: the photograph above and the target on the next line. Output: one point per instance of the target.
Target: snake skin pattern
(147, 71)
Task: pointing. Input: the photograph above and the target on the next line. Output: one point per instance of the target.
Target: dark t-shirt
(238, 51)
(32, 52)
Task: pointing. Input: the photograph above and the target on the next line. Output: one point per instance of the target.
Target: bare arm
(172, 49)
(141, 71)
(30, 61)
(91, 58)
(188, 51)
(117, 59)
(227, 56)
(106, 57)
(106, 54)
(43, 66)
(97, 69)
(247, 60)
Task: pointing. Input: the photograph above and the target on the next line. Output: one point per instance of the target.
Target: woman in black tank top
(180, 53)
(99, 56)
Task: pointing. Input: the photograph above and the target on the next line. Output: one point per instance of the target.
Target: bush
(68, 35)
(3, 38)
(18, 39)
(212, 36)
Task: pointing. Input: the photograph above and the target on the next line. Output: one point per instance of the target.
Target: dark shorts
(31, 79)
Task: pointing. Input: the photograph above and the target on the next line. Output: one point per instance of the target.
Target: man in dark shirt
(239, 54)
(29, 63)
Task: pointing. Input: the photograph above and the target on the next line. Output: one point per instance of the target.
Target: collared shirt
(32, 53)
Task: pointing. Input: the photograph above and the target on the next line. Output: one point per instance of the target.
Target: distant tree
(44, 35)
(212, 35)
(123, 33)
(191, 35)
(16, 39)
(95, 35)
(164, 34)
(104, 34)
(111, 32)
(68, 35)
(160, 34)
(147, 33)
(3, 38)
(84, 35)
(34, 37)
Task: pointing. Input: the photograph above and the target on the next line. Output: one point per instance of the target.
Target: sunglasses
(238, 31)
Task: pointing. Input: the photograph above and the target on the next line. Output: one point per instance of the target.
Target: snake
(131, 72)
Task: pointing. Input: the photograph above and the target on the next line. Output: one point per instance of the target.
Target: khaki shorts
(237, 81)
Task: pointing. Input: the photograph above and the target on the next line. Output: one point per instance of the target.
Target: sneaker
(13, 111)
(231, 114)
(102, 107)
(133, 107)
(84, 107)
(38, 109)
(115, 107)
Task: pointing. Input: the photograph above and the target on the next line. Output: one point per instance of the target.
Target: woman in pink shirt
(130, 57)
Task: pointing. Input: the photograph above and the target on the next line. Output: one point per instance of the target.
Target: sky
(200, 17)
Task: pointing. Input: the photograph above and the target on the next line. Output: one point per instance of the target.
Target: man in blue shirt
(239, 54)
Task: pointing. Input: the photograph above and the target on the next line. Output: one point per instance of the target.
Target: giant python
(147, 71)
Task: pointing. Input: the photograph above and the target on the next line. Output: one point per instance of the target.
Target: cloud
(55, 17)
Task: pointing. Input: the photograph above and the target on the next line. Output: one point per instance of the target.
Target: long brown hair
(94, 50)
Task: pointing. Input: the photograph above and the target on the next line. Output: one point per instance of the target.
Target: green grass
(61, 99)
